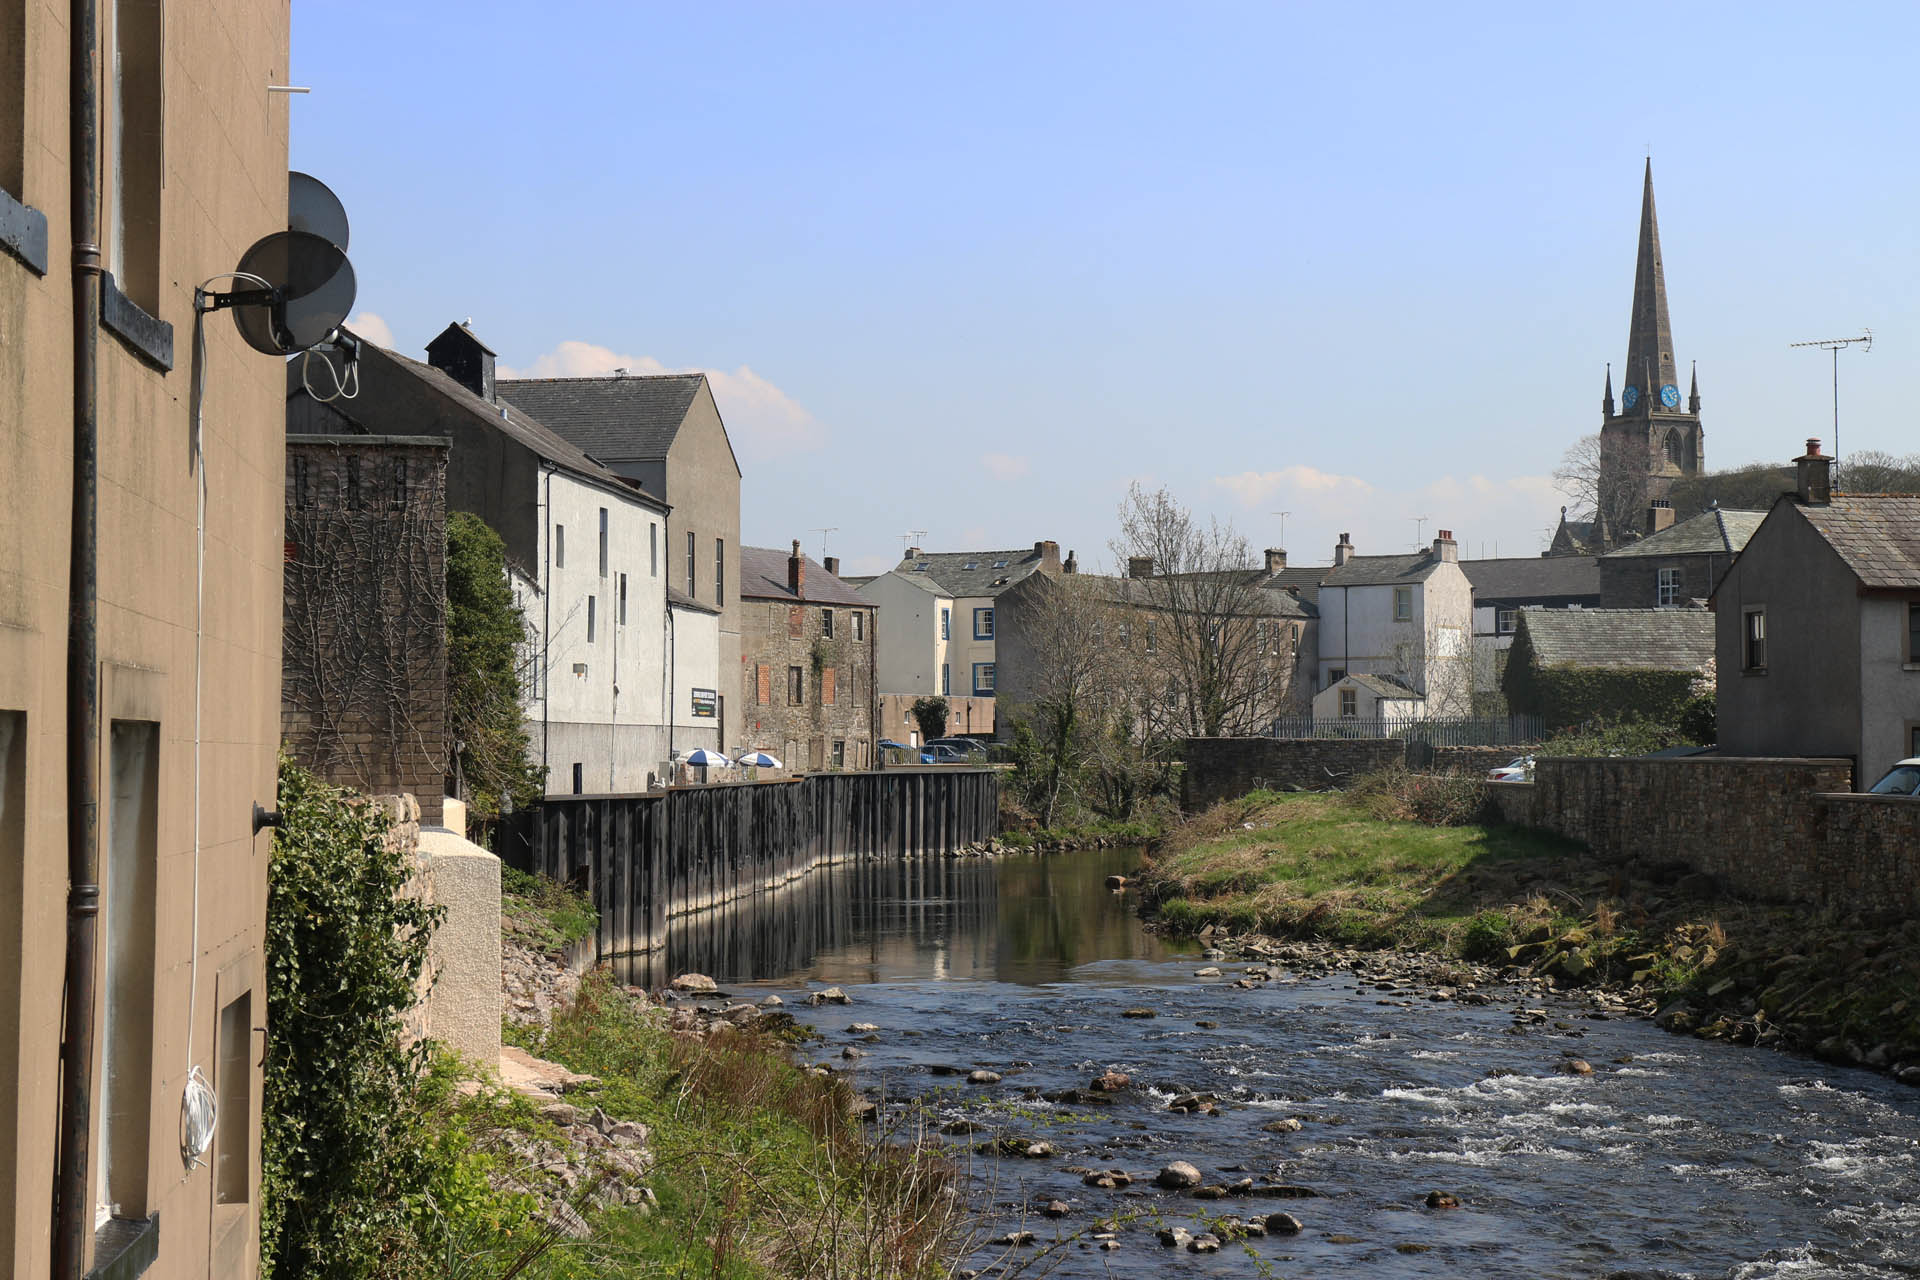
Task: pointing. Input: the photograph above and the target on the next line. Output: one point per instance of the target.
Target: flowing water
(1677, 1157)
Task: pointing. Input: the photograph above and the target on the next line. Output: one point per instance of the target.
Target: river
(1675, 1158)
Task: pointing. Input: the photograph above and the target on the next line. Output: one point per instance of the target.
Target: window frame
(826, 622)
(623, 600)
(653, 546)
(859, 625)
(796, 686)
(984, 690)
(980, 616)
(946, 622)
(1753, 640)
(603, 542)
(559, 546)
(1668, 583)
(1505, 621)
(1349, 703)
(591, 612)
(692, 554)
(720, 572)
(1403, 604)
(946, 679)
(1913, 634)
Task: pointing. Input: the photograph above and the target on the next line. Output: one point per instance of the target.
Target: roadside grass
(542, 912)
(761, 1170)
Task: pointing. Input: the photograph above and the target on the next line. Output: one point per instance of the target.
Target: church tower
(1655, 438)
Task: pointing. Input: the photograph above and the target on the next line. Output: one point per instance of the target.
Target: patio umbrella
(760, 760)
(706, 757)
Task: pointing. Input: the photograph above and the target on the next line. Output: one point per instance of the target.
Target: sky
(967, 272)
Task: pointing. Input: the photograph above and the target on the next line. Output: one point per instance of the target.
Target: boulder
(1110, 1081)
(979, 1077)
(695, 983)
(1206, 1242)
(1286, 1124)
(1116, 882)
(1442, 1200)
(1178, 1176)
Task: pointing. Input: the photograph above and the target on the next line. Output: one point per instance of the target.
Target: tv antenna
(1865, 343)
(832, 528)
(1419, 530)
(911, 538)
(1283, 526)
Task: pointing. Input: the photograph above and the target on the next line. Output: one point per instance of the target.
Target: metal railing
(1447, 731)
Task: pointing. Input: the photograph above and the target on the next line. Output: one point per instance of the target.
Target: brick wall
(780, 636)
(363, 699)
(1225, 768)
(1779, 829)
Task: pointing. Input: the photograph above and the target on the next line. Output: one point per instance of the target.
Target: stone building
(182, 736)
(1675, 566)
(363, 690)
(806, 662)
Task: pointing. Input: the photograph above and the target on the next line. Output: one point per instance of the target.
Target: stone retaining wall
(1226, 768)
(1472, 760)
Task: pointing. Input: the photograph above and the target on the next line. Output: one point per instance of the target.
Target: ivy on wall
(1567, 695)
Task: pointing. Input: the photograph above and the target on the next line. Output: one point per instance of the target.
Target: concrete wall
(966, 717)
(220, 145)
(802, 734)
(702, 482)
(696, 665)
(462, 1007)
(364, 663)
(909, 648)
(1226, 768)
(1889, 687)
(1808, 701)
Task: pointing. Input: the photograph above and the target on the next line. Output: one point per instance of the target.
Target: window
(590, 611)
(13, 101)
(1667, 588)
(826, 623)
(983, 624)
(231, 1074)
(983, 679)
(690, 590)
(946, 620)
(127, 902)
(579, 779)
(839, 753)
(796, 686)
(946, 680)
(720, 571)
(1754, 651)
(1349, 704)
(623, 599)
(1913, 633)
(829, 686)
(1335, 675)
(1403, 604)
(859, 625)
(653, 549)
(796, 622)
(763, 684)
(559, 546)
(1675, 449)
(136, 105)
(1505, 621)
(603, 542)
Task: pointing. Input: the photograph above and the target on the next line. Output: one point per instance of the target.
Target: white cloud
(1512, 513)
(1004, 466)
(1256, 487)
(764, 421)
(370, 326)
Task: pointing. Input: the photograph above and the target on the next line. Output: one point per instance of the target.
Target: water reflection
(1028, 920)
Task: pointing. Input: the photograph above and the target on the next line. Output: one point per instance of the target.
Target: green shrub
(1487, 936)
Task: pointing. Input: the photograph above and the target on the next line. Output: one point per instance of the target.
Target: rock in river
(1283, 1224)
(983, 1077)
(1111, 1081)
(1442, 1200)
(1178, 1176)
(695, 982)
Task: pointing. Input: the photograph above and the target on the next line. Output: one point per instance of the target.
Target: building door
(720, 725)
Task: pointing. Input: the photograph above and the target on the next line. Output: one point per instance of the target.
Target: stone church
(1649, 441)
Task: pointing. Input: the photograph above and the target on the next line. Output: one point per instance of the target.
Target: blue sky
(974, 269)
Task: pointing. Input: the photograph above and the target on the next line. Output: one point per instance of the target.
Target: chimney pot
(832, 564)
(1659, 515)
(1072, 563)
(1815, 476)
(1445, 548)
(1342, 551)
(1813, 446)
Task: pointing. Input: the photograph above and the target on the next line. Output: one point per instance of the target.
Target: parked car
(1519, 769)
(965, 746)
(1901, 780)
(947, 753)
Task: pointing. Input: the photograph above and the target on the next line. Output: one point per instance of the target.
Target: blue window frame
(983, 624)
(946, 679)
(983, 679)
(946, 624)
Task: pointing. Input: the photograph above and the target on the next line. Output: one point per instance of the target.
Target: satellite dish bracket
(275, 300)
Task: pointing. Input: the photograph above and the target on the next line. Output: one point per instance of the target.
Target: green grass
(543, 912)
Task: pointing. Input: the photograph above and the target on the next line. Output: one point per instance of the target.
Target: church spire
(1606, 405)
(1650, 366)
(1693, 398)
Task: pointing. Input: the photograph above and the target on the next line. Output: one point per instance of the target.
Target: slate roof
(1714, 532)
(519, 427)
(678, 599)
(763, 576)
(1277, 601)
(1386, 686)
(621, 418)
(1877, 534)
(1369, 571)
(971, 573)
(1534, 578)
(1657, 639)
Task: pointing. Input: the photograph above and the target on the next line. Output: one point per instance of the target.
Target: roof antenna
(832, 528)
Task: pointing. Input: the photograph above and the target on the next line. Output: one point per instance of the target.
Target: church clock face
(1630, 397)
(1670, 396)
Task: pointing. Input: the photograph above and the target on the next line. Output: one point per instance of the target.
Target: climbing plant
(486, 640)
(931, 715)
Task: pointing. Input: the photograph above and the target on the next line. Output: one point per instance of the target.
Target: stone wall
(1473, 760)
(1225, 768)
(364, 653)
(785, 651)
(460, 990)
(1779, 829)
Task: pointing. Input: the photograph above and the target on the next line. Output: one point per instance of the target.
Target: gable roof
(1712, 532)
(1876, 534)
(678, 599)
(1534, 578)
(1370, 571)
(763, 576)
(1382, 686)
(1657, 639)
(971, 573)
(515, 425)
(624, 418)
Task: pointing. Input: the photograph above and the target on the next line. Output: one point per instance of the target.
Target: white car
(1901, 780)
(1520, 770)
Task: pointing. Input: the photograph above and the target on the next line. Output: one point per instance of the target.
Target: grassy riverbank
(1357, 869)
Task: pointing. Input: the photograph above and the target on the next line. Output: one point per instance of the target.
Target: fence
(645, 859)
(1451, 731)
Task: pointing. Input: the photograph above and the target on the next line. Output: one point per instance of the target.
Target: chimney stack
(832, 564)
(1659, 516)
(797, 572)
(1139, 566)
(1049, 553)
(1071, 564)
(1342, 551)
(1276, 559)
(1445, 549)
(464, 358)
(1816, 476)
(913, 553)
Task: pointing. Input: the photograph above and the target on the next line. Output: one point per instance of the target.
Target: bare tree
(1074, 679)
(1221, 656)
(1597, 487)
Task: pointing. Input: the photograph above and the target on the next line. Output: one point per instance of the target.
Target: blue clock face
(1670, 396)
(1630, 397)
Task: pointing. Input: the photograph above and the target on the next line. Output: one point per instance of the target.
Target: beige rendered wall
(225, 159)
(703, 486)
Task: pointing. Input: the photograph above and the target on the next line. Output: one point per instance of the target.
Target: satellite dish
(309, 290)
(312, 207)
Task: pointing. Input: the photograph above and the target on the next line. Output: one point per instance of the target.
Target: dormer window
(972, 564)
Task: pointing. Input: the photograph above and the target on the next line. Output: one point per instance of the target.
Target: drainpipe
(73, 1208)
(546, 627)
(673, 680)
